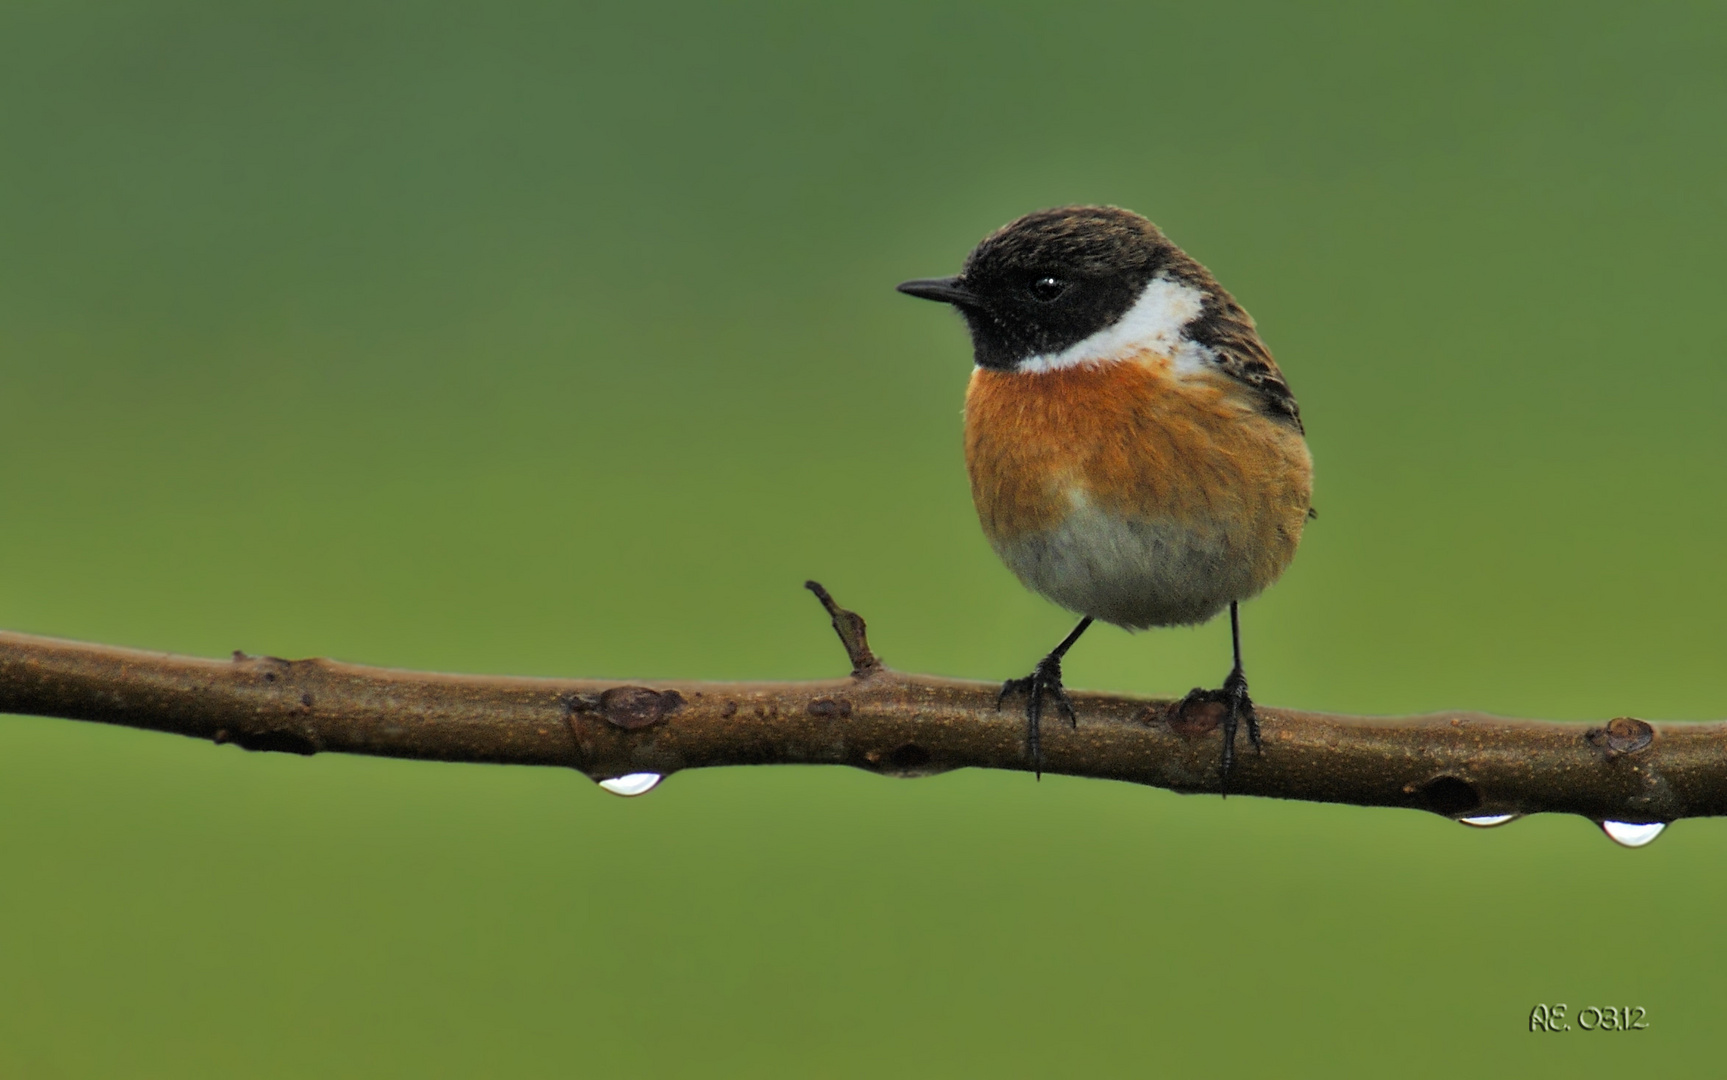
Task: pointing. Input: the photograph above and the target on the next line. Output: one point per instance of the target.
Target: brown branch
(1455, 764)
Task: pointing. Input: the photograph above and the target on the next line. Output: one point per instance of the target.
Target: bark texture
(1459, 764)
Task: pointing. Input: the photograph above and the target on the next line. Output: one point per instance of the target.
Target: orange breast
(1136, 440)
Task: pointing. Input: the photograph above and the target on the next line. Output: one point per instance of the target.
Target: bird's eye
(1047, 288)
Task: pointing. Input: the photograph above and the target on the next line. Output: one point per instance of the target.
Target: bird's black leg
(1045, 678)
(1233, 696)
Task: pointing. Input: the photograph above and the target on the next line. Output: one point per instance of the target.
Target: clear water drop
(636, 783)
(1487, 821)
(1628, 835)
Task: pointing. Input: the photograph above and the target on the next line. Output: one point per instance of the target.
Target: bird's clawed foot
(1045, 678)
(1238, 707)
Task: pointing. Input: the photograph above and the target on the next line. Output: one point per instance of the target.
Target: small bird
(1135, 454)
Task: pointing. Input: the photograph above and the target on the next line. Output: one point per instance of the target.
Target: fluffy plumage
(1133, 493)
(1135, 453)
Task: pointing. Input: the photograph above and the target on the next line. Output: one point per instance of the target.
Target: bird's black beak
(948, 290)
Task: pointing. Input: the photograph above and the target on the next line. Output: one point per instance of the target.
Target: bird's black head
(1052, 279)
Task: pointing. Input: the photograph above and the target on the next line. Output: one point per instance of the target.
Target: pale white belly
(1134, 572)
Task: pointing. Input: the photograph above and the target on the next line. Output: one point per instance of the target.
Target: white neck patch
(1153, 324)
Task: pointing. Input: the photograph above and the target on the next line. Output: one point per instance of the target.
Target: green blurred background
(560, 339)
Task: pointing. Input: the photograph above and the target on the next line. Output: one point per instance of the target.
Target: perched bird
(1135, 454)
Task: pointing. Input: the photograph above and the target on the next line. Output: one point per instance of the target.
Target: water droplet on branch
(1487, 821)
(636, 783)
(1628, 835)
